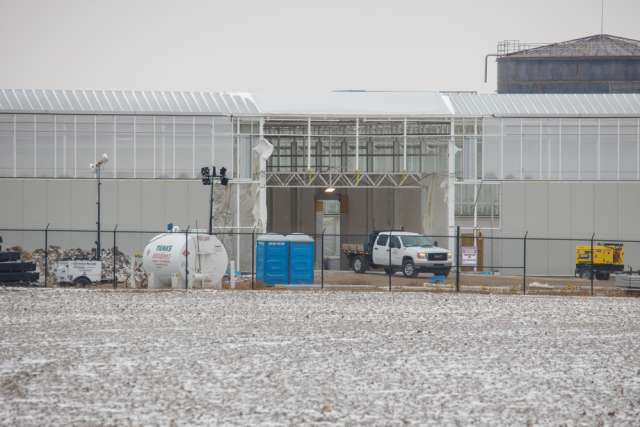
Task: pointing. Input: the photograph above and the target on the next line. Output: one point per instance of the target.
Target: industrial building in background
(596, 64)
(342, 163)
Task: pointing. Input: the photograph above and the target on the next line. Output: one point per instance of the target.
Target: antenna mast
(602, 19)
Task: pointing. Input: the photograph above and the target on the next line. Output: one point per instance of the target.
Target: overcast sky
(281, 45)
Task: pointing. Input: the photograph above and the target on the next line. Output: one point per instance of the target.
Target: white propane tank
(164, 257)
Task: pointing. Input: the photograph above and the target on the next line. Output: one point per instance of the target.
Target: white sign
(469, 255)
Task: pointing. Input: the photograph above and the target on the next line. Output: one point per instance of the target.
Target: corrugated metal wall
(549, 75)
(132, 204)
(563, 210)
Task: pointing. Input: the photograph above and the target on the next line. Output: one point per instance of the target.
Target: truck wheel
(601, 275)
(359, 264)
(409, 268)
(82, 281)
(585, 274)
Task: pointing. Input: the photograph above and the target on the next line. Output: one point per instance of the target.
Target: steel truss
(345, 179)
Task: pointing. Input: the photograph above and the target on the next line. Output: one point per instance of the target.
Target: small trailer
(78, 272)
(410, 253)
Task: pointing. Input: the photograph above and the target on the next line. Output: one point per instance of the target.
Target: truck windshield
(416, 241)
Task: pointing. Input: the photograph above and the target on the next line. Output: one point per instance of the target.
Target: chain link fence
(493, 264)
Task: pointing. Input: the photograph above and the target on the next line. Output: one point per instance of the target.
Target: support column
(476, 189)
(173, 139)
(15, 149)
(404, 145)
(35, 145)
(55, 146)
(451, 190)
(115, 146)
(560, 148)
(261, 220)
(598, 151)
(579, 148)
(135, 149)
(155, 150)
(396, 210)
(309, 143)
(618, 159)
(357, 144)
(238, 268)
(75, 146)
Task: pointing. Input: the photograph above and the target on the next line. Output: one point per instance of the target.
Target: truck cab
(410, 253)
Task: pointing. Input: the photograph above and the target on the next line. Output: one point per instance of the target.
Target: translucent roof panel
(332, 104)
(545, 105)
(125, 102)
(355, 103)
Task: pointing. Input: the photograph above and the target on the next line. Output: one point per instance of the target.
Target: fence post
(591, 266)
(390, 266)
(253, 257)
(524, 268)
(186, 258)
(458, 258)
(322, 260)
(46, 255)
(115, 277)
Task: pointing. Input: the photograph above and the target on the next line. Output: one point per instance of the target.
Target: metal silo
(596, 64)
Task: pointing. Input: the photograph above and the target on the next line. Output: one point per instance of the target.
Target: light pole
(207, 179)
(97, 166)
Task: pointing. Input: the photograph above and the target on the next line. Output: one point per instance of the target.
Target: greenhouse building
(342, 163)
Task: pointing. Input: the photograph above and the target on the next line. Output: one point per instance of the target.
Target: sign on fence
(469, 255)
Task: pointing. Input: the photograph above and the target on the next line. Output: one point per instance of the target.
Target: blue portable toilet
(301, 259)
(272, 259)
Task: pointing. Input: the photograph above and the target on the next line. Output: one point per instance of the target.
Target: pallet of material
(628, 281)
(9, 256)
(6, 278)
(16, 267)
(352, 248)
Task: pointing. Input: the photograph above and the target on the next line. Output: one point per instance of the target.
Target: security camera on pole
(207, 179)
(97, 166)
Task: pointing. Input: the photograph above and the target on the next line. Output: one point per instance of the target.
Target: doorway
(328, 219)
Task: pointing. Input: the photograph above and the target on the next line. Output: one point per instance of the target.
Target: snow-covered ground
(70, 356)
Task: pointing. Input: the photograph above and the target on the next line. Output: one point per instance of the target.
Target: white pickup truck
(410, 253)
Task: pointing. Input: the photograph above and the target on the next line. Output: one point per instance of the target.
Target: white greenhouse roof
(125, 102)
(356, 103)
(545, 105)
(331, 104)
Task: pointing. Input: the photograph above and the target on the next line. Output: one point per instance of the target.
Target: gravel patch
(73, 356)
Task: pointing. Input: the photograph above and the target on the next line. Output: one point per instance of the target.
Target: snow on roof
(545, 105)
(331, 104)
(125, 102)
(356, 103)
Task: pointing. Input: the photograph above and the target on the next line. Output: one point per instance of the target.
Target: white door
(380, 254)
(328, 220)
(396, 251)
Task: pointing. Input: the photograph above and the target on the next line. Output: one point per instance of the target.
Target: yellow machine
(607, 258)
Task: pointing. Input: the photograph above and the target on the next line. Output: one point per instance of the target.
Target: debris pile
(140, 277)
(122, 263)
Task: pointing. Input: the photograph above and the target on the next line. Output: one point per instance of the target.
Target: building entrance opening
(328, 222)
